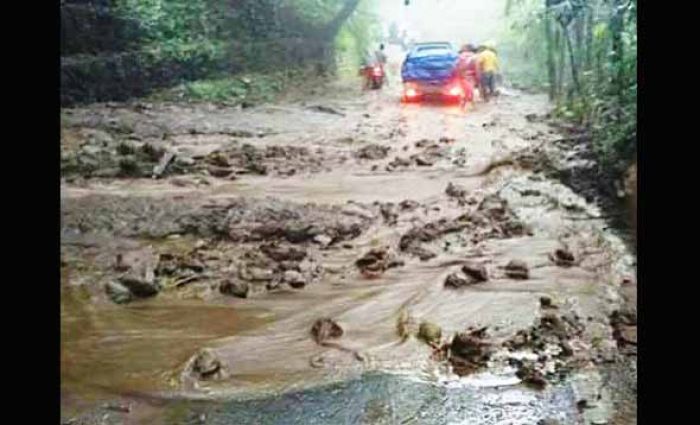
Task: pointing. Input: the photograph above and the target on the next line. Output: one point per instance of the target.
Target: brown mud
(264, 220)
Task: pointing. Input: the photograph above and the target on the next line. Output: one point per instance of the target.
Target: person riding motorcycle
(378, 58)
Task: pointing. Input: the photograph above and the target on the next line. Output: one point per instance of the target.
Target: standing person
(488, 66)
(468, 72)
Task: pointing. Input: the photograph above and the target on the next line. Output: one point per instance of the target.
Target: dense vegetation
(116, 49)
(584, 52)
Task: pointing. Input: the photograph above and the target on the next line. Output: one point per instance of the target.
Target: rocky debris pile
(205, 365)
(110, 157)
(137, 278)
(431, 153)
(373, 152)
(269, 267)
(181, 269)
(248, 159)
(549, 339)
(470, 351)
(493, 218)
(411, 242)
(240, 220)
(377, 261)
(472, 274)
(624, 324)
(517, 269)
(250, 220)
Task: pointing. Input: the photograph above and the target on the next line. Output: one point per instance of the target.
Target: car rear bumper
(443, 90)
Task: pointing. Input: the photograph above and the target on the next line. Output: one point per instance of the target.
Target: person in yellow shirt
(488, 67)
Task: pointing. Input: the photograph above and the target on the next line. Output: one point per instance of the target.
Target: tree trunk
(333, 27)
(572, 60)
(551, 68)
(616, 28)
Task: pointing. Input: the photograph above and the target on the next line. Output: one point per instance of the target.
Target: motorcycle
(374, 76)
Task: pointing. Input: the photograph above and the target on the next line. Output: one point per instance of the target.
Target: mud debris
(234, 288)
(470, 351)
(562, 257)
(325, 329)
(205, 366)
(477, 272)
(373, 152)
(377, 261)
(517, 269)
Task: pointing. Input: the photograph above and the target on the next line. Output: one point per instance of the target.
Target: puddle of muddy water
(109, 348)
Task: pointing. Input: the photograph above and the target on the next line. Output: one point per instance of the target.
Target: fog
(457, 21)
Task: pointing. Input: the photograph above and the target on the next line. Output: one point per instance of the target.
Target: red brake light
(411, 92)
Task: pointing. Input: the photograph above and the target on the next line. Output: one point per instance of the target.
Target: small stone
(430, 333)
(220, 172)
(294, 279)
(546, 302)
(206, 365)
(236, 289)
(325, 329)
(454, 280)
(476, 271)
(517, 269)
(563, 258)
(118, 293)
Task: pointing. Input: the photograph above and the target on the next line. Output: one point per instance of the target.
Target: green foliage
(359, 35)
(536, 53)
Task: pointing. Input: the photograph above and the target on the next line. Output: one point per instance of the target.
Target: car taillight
(456, 91)
(378, 71)
(411, 92)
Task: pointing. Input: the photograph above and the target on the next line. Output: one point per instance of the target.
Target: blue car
(429, 72)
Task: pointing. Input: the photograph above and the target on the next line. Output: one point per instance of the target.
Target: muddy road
(200, 245)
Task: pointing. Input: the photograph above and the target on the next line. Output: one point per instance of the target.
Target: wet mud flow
(261, 265)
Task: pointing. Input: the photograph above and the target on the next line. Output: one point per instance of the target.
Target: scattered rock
(430, 333)
(294, 279)
(422, 161)
(477, 272)
(530, 375)
(373, 152)
(220, 172)
(206, 365)
(323, 240)
(282, 253)
(325, 329)
(562, 257)
(377, 261)
(454, 280)
(517, 269)
(234, 288)
(455, 191)
(469, 351)
(546, 303)
(408, 205)
(390, 216)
